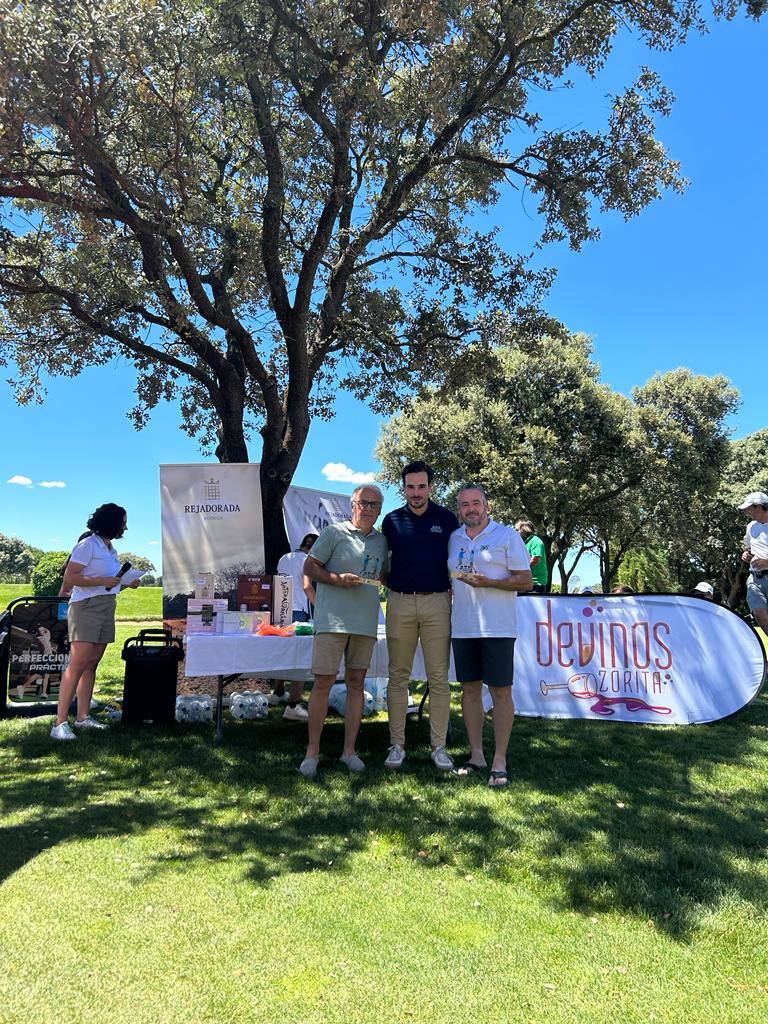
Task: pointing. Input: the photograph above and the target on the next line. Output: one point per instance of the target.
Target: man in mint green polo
(347, 562)
(538, 555)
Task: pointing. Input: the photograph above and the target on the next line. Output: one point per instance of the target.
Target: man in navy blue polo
(419, 608)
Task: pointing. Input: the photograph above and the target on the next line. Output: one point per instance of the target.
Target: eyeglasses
(367, 504)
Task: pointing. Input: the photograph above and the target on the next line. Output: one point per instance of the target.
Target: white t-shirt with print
(97, 559)
(757, 539)
(496, 552)
(292, 564)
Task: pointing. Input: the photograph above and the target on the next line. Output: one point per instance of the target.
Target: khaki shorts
(92, 620)
(328, 648)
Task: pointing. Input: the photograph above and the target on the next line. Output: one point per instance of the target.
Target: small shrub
(48, 573)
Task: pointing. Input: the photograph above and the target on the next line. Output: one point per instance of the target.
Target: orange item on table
(266, 629)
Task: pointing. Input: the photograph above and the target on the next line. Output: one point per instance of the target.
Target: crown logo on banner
(212, 489)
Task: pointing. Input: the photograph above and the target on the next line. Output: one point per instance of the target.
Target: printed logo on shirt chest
(435, 529)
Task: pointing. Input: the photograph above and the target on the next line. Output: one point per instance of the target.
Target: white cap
(755, 498)
(705, 588)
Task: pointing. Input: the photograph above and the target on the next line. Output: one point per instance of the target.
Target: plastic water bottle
(378, 689)
(260, 705)
(337, 698)
(182, 709)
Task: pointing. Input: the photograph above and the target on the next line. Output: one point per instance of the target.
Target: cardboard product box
(202, 613)
(282, 600)
(255, 592)
(204, 585)
(240, 622)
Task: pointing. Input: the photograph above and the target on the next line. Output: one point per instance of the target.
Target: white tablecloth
(270, 657)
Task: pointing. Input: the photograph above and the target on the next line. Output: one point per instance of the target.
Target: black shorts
(490, 658)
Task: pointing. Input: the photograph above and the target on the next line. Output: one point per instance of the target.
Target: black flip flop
(469, 768)
(503, 774)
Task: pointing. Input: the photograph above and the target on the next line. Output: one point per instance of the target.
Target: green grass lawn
(143, 603)
(148, 876)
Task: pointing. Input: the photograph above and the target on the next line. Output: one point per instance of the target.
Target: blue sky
(682, 285)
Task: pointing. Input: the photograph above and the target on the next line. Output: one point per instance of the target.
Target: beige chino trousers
(410, 618)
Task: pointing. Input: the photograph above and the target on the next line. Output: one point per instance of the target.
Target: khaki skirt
(93, 619)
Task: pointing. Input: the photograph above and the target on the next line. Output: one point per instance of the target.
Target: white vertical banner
(310, 511)
(211, 522)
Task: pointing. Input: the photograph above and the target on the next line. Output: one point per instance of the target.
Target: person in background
(535, 547)
(419, 608)
(91, 579)
(755, 507)
(490, 565)
(705, 590)
(292, 564)
(347, 562)
(622, 588)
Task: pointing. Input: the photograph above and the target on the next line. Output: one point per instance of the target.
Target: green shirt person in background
(538, 555)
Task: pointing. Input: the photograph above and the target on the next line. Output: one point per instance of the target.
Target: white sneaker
(395, 757)
(62, 732)
(297, 714)
(442, 759)
(308, 767)
(89, 723)
(353, 762)
(277, 698)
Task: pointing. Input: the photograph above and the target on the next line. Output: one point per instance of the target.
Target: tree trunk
(273, 490)
(231, 446)
(283, 444)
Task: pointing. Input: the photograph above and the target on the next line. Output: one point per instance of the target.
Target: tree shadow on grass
(606, 816)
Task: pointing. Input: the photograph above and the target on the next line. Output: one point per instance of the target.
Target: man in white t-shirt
(292, 564)
(755, 506)
(490, 565)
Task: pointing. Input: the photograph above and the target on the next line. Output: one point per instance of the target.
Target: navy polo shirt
(419, 546)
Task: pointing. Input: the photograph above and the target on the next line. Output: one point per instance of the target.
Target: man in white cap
(755, 507)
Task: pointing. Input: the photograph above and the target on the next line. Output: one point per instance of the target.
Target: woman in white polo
(91, 576)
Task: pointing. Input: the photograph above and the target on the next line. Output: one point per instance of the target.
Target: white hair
(367, 487)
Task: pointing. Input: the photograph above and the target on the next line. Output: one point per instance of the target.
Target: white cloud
(153, 542)
(23, 481)
(339, 473)
(52, 483)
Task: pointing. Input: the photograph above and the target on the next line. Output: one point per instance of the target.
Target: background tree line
(648, 483)
(23, 563)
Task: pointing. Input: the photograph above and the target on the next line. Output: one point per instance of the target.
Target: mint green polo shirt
(341, 547)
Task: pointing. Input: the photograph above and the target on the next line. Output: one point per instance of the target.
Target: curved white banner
(662, 658)
(310, 511)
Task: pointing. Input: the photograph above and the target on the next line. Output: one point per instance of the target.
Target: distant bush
(48, 573)
(17, 560)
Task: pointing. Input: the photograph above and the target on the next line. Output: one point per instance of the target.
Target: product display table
(271, 657)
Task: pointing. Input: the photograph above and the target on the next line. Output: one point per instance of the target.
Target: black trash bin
(151, 666)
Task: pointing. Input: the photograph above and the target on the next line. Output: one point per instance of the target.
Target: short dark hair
(107, 520)
(308, 540)
(417, 467)
(471, 487)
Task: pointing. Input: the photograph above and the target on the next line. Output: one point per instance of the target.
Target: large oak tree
(261, 201)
